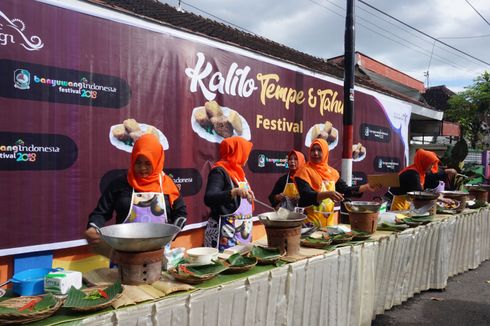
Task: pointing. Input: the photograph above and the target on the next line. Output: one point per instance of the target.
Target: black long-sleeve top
(278, 188)
(218, 193)
(409, 181)
(117, 198)
(308, 196)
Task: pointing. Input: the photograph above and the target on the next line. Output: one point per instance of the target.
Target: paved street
(465, 301)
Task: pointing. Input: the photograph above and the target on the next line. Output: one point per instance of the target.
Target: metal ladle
(281, 212)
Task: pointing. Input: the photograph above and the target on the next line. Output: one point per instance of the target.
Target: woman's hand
(333, 195)
(368, 187)
(242, 193)
(92, 236)
(279, 197)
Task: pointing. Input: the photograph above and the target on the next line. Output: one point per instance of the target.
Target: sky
(317, 27)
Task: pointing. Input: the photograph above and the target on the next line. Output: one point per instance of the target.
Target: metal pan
(273, 220)
(135, 237)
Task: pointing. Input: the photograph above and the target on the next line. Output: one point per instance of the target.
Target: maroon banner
(68, 80)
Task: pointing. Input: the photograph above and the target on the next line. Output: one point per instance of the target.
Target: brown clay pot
(139, 267)
(287, 240)
(365, 222)
(479, 194)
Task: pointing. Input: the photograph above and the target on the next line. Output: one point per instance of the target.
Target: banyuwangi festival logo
(27, 151)
(22, 79)
(13, 31)
(37, 82)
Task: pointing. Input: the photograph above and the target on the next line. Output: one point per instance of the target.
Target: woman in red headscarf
(320, 186)
(229, 196)
(145, 194)
(285, 192)
(412, 178)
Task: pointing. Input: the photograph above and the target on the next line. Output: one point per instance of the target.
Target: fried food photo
(212, 118)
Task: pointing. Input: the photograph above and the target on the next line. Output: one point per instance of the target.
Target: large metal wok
(273, 220)
(135, 237)
(362, 206)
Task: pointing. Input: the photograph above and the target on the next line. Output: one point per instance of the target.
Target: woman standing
(229, 196)
(146, 194)
(412, 178)
(320, 186)
(285, 191)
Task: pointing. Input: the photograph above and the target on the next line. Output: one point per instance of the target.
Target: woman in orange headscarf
(320, 186)
(412, 178)
(285, 192)
(145, 194)
(229, 196)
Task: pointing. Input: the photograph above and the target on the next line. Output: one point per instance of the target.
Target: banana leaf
(76, 298)
(48, 301)
(202, 270)
(265, 253)
(237, 260)
(392, 227)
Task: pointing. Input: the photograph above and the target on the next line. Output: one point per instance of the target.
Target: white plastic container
(60, 282)
(202, 255)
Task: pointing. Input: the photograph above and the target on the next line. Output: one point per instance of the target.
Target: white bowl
(202, 255)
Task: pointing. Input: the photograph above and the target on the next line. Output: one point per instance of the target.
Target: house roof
(437, 96)
(164, 14)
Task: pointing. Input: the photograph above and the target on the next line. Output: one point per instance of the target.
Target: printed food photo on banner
(324, 131)
(123, 135)
(358, 152)
(214, 122)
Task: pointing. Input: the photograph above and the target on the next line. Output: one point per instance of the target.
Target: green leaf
(76, 298)
(203, 270)
(237, 260)
(48, 301)
(265, 253)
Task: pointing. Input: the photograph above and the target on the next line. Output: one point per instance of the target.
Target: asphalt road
(465, 301)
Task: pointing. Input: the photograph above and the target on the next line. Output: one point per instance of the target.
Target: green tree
(470, 107)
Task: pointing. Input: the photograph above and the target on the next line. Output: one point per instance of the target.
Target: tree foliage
(471, 107)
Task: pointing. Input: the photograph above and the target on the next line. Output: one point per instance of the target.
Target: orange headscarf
(421, 162)
(315, 173)
(234, 152)
(149, 146)
(301, 162)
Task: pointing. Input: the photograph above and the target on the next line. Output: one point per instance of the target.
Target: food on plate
(120, 133)
(325, 131)
(213, 109)
(212, 118)
(328, 127)
(235, 122)
(448, 203)
(222, 126)
(131, 125)
(358, 151)
(135, 135)
(130, 131)
(202, 119)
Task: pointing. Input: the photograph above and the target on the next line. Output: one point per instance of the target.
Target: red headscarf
(149, 146)
(315, 173)
(234, 152)
(301, 162)
(421, 162)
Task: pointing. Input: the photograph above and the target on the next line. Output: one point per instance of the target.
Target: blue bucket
(31, 281)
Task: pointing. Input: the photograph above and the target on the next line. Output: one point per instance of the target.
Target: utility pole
(349, 64)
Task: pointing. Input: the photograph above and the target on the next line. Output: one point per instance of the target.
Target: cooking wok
(134, 237)
(362, 206)
(273, 220)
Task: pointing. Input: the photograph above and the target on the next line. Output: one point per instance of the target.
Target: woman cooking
(229, 196)
(412, 178)
(285, 192)
(320, 186)
(146, 194)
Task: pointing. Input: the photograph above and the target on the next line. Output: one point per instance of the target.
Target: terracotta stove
(139, 267)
